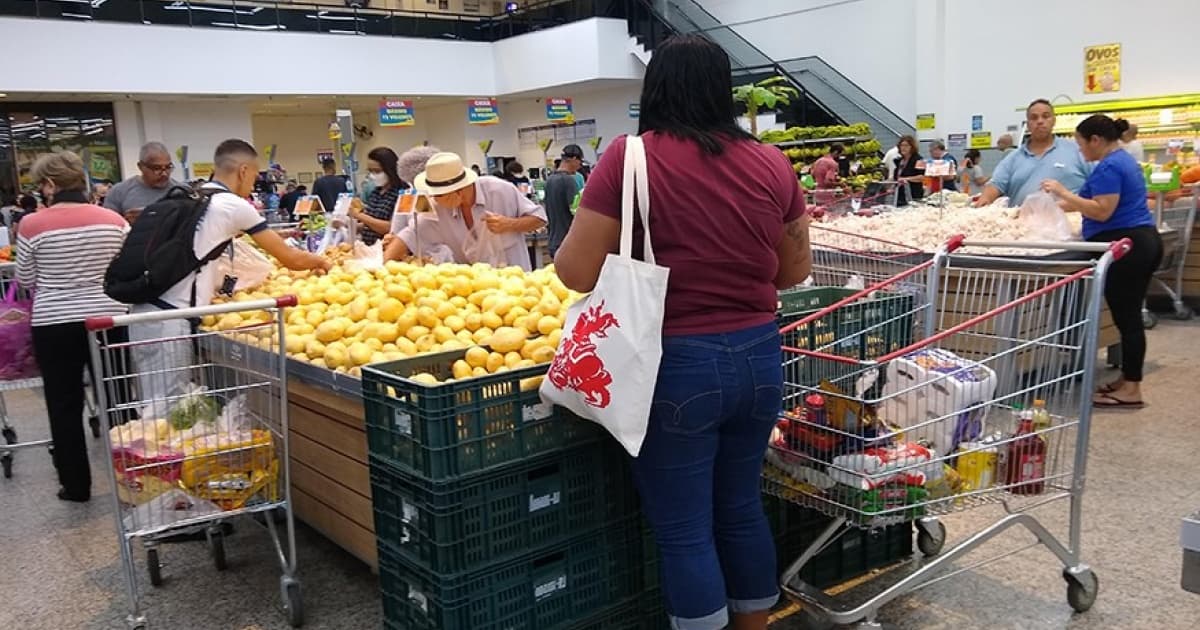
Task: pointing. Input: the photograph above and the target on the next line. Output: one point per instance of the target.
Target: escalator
(826, 93)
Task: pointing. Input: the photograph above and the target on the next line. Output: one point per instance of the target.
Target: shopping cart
(11, 444)
(941, 425)
(836, 201)
(209, 436)
(1175, 224)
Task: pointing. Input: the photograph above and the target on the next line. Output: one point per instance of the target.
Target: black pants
(1125, 291)
(62, 354)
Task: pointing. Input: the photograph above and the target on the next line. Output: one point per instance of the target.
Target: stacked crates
(493, 510)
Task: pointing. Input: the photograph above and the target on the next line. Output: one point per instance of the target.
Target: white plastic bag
(244, 263)
(482, 246)
(607, 367)
(365, 257)
(1043, 219)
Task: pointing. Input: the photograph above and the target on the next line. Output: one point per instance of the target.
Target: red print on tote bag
(577, 365)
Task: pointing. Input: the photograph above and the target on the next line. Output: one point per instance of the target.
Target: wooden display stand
(331, 484)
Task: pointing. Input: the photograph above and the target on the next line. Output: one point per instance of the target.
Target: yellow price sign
(926, 122)
(1102, 69)
(981, 140)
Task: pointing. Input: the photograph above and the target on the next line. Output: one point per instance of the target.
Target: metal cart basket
(199, 432)
(989, 404)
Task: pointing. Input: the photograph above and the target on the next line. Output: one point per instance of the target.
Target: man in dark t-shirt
(561, 189)
(330, 185)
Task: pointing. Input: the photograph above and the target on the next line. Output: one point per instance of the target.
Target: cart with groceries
(950, 384)
(199, 433)
(1175, 224)
(18, 366)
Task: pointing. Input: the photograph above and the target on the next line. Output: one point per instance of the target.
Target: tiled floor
(59, 567)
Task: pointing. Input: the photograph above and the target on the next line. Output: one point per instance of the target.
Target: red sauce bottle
(1026, 461)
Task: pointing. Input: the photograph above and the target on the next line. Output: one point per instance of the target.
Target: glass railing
(305, 17)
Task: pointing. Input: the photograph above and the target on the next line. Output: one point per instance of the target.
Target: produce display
(504, 318)
(6, 253)
(927, 228)
(805, 145)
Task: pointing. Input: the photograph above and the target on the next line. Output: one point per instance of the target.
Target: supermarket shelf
(799, 143)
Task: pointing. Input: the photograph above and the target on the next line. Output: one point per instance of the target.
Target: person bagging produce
(481, 219)
(1113, 204)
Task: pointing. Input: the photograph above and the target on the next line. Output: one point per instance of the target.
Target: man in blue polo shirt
(1042, 157)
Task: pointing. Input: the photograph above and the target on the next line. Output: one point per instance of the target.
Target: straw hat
(444, 173)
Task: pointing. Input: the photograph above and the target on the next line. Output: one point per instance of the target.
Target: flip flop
(1106, 388)
(1111, 402)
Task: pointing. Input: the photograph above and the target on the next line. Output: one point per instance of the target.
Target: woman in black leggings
(1113, 204)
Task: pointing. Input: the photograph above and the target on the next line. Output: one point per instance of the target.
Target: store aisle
(59, 571)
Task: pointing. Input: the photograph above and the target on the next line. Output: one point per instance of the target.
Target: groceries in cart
(913, 429)
(16, 336)
(196, 446)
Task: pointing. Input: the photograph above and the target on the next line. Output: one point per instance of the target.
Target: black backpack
(158, 251)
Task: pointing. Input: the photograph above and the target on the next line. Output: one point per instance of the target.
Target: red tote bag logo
(577, 365)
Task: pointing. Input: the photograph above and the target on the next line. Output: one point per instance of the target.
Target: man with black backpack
(164, 263)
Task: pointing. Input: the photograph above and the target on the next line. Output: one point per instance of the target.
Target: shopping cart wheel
(154, 567)
(931, 536)
(216, 544)
(1149, 320)
(1082, 588)
(1183, 312)
(94, 422)
(293, 604)
(10, 435)
(6, 462)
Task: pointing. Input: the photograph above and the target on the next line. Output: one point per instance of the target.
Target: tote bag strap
(636, 183)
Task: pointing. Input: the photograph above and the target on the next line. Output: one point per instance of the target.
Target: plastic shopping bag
(607, 367)
(1043, 219)
(365, 257)
(17, 360)
(243, 263)
(483, 246)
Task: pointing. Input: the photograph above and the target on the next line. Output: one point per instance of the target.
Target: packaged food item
(879, 466)
(1026, 462)
(977, 464)
(1040, 416)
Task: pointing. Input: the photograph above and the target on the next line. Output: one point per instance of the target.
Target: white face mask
(379, 179)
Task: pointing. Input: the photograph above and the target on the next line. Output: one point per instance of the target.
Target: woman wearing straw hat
(479, 218)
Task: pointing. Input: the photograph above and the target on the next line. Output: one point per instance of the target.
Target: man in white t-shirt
(164, 368)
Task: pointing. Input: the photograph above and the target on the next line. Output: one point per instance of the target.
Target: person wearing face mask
(375, 216)
(479, 218)
(228, 216)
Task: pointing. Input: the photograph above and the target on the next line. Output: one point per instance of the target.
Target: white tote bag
(607, 365)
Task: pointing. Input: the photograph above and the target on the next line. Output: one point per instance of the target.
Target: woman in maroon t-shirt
(728, 220)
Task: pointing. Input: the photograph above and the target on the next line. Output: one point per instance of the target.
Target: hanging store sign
(1102, 69)
(396, 113)
(981, 140)
(926, 122)
(322, 156)
(635, 110)
(956, 143)
(560, 110)
(483, 111)
(977, 122)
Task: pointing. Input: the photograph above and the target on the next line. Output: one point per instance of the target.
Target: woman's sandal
(1109, 388)
(1111, 402)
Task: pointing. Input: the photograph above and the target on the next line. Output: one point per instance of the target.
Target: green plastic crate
(452, 527)
(557, 587)
(446, 431)
(853, 554)
(865, 329)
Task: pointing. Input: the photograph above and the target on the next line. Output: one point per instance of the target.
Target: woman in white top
(63, 251)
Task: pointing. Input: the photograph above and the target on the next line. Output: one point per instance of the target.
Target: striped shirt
(381, 204)
(62, 253)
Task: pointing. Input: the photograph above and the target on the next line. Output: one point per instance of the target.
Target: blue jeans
(717, 398)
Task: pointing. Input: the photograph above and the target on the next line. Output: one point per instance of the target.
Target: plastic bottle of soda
(1026, 461)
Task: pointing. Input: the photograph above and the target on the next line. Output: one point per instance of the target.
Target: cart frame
(1072, 376)
(1169, 276)
(280, 507)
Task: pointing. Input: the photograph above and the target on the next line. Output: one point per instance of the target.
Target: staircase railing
(817, 80)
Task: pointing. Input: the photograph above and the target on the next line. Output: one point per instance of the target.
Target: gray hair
(938, 144)
(153, 148)
(412, 162)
